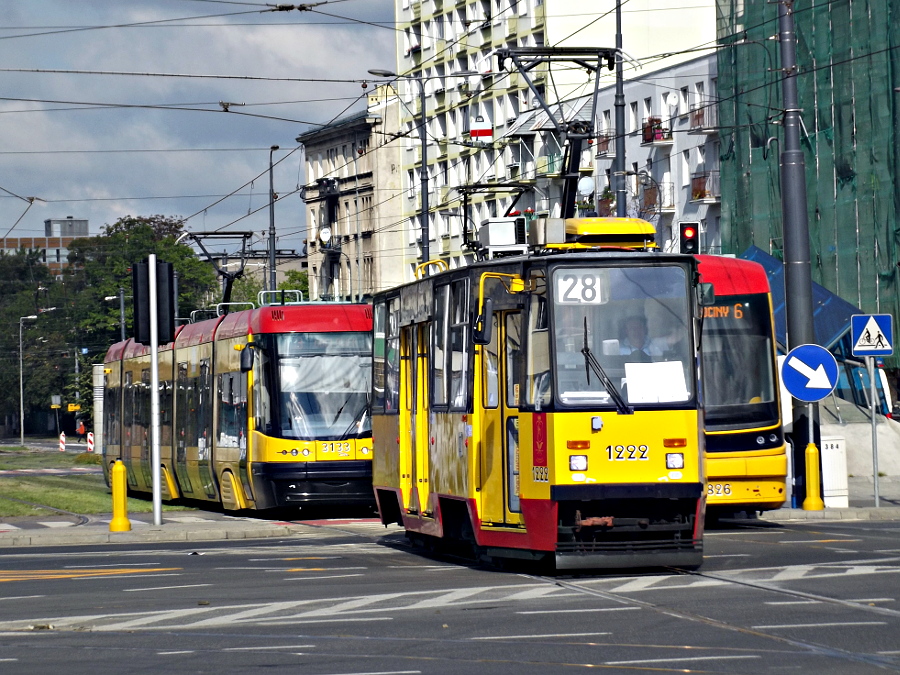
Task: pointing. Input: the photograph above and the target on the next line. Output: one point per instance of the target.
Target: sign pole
(154, 394)
(870, 362)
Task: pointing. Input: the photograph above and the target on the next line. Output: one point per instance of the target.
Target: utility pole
(619, 104)
(797, 268)
(271, 222)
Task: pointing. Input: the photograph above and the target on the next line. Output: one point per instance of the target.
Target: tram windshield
(738, 367)
(324, 384)
(636, 323)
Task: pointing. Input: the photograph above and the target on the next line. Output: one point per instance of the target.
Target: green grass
(84, 493)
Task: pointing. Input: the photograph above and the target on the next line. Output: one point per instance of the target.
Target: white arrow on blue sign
(809, 373)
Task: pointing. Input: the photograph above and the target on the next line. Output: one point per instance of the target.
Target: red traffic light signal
(688, 241)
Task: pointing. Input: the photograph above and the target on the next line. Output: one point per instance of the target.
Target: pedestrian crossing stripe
(872, 339)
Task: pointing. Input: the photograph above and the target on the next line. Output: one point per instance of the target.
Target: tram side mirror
(706, 294)
(246, 359)
(484, 323)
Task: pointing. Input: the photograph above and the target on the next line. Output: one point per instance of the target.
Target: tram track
(820, 649)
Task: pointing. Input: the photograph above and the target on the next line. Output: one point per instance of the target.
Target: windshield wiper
(591, 363)
(356, 421)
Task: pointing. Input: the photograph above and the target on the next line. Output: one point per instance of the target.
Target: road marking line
(445, 598)
(575, 611)
(821, 625)
(793, 602)
(684, 658)
(293, 620)
(728, 555)
(330, 576)
(54, 523)
(77, 567)
(130, 576)
(530, 637)
(256, 649)
(872, 600)
(23, 597)
(162, 588)
(185, 651)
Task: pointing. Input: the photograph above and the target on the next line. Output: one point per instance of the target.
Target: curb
(884, 513)
(167, 533)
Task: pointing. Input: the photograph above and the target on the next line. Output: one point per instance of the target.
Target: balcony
(705, 118)
(705, 187)
(606, 144)
(548, 165)
(659, 196)
(654, 133)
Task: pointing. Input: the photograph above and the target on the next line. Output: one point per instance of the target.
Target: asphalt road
(350, 597)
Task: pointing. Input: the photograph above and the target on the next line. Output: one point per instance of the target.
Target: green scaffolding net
(848, 56)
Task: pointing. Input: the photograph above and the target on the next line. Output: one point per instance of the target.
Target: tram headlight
(364, 451)
(306, 452)
(674, 460)
(577, 462)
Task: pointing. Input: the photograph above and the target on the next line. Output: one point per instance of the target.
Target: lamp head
(380, 72)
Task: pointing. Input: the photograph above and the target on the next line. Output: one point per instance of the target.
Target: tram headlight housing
(674, 460)
(578, 463)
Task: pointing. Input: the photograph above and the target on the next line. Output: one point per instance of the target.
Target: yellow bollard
(119, 480)
(813, 501)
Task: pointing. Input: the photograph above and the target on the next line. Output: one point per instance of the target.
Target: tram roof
(733, 276)
(314, 317)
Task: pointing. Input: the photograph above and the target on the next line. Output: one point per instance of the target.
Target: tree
(295, 280)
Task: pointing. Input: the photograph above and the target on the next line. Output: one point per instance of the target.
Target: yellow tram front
(545, 407)
(610, 428)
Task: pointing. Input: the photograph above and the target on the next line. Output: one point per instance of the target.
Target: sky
(94, 143)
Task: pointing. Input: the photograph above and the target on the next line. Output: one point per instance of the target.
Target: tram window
(513, 358)
(392, 360)
(204, 406)
(538, 362)
(378, 352)
(491, 368)
(458, 346)
(232, 409)
(439, 346)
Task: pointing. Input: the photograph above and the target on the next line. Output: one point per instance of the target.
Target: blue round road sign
(809, 373)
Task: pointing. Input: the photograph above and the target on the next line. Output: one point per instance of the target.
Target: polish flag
(481, 129)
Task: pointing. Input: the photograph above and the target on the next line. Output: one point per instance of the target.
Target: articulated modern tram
(259, 408)
(746, 458)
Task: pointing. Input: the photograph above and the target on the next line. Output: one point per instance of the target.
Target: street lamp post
(271, 222)
(22, 321)
(121, 298)
(423, 138)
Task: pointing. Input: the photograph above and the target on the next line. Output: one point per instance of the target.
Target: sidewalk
(206, 526)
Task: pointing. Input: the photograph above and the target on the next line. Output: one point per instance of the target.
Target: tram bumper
(629, 525)
(338, 482)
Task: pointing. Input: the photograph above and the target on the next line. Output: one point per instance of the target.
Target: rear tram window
(538, 361)
(439, 346)
(491, 368)
(379, 318)
(392, 359)
(458, 345)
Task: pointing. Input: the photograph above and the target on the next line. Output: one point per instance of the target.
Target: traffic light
(689, 238)
(165, 301)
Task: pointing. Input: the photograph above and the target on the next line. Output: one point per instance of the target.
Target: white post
(154, 392)
(873, 398)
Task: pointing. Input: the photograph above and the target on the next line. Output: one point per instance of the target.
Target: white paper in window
(661, 382)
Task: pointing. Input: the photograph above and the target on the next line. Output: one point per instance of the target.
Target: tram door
(415, 369)
(499, 450)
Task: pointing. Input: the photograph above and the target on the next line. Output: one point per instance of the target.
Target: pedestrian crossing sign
(872, 334)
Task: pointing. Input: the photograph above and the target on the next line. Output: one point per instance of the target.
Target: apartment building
(354, 202)
(473, 106)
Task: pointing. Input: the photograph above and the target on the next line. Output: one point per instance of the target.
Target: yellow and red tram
(259, 408)
(515, 408)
